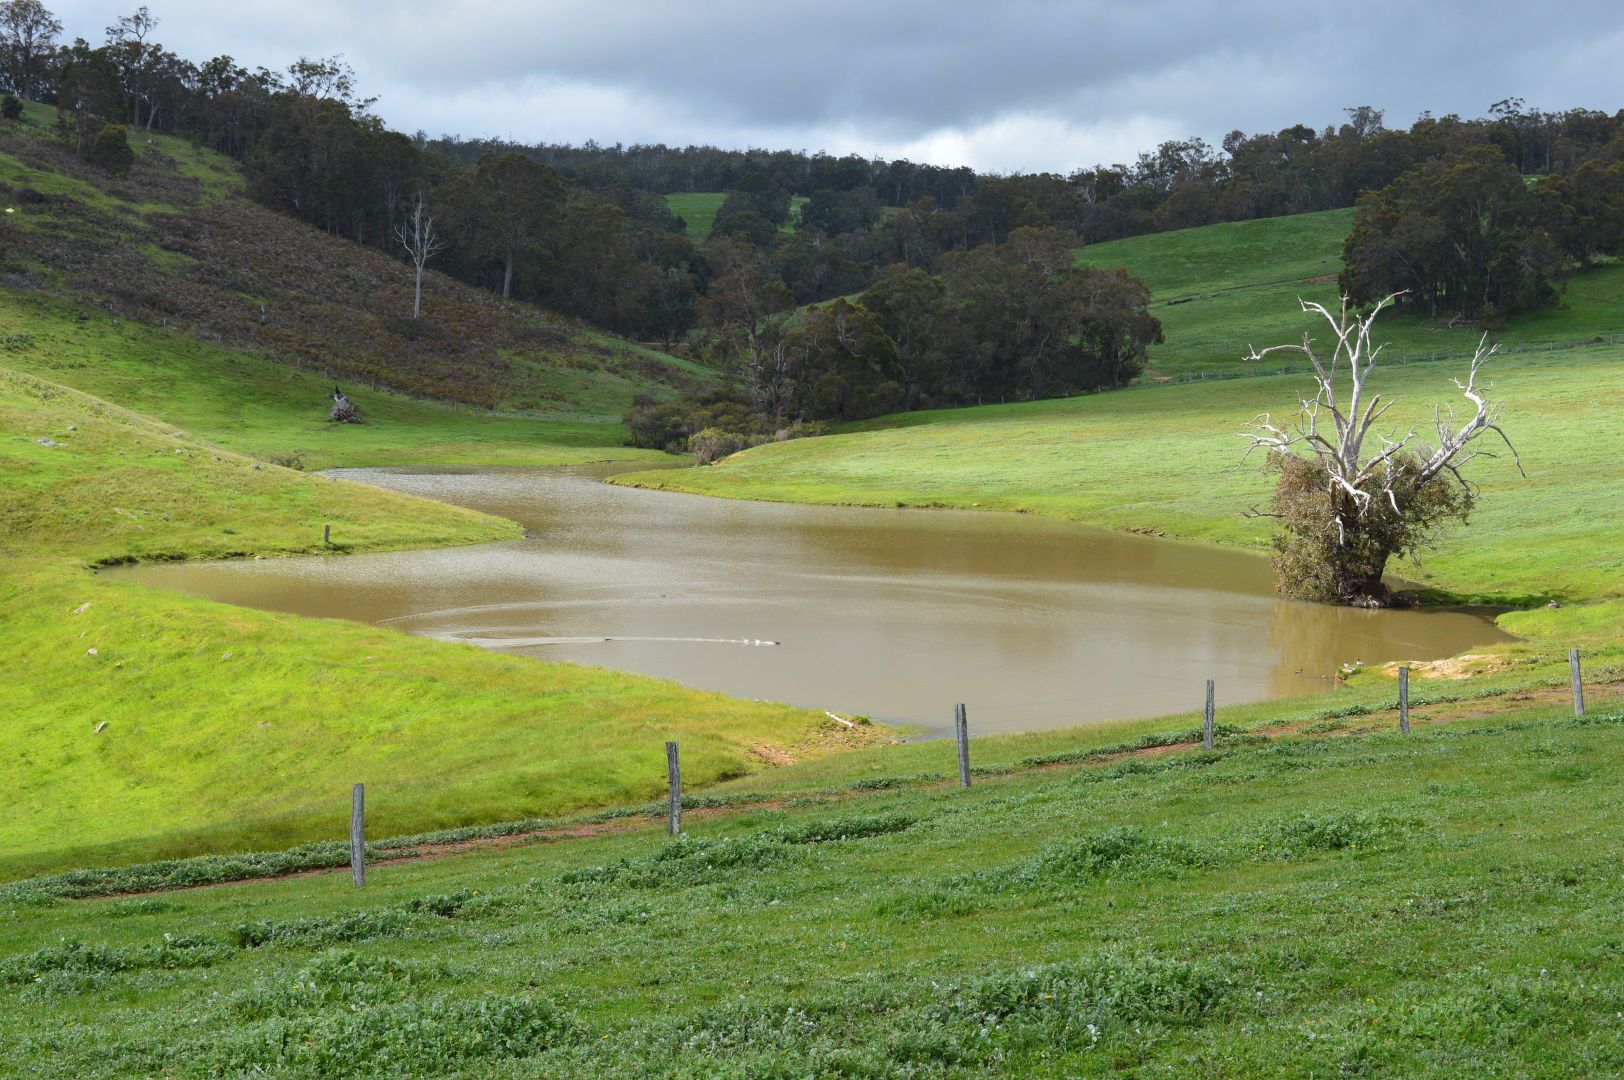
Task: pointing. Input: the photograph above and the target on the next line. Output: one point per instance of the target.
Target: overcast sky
(1006, 86)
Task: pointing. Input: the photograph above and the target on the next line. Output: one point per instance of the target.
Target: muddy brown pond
(893, 614)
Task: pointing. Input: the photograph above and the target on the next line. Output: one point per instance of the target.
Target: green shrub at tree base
(111, 150)
(1330, 550)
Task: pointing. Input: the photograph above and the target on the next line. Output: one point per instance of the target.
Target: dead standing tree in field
(1350, 498)
(344, 410)
(416, 234)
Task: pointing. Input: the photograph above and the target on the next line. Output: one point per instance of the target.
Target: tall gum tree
(28, 34)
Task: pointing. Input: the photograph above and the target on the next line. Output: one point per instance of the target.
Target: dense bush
(710, 425)
(1455, 235)
(111, 150)
(668, 425)
(713, 444)
(1329, 549)
(1468, 235)
(11, 108)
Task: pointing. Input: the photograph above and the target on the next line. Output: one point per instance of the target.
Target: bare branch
(416, 234)
(1336, 434)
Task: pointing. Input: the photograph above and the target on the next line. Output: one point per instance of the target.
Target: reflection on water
(896, 614)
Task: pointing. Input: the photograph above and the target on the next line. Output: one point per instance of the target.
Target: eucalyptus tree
(28, 33)
(747, 306)
(508, 206)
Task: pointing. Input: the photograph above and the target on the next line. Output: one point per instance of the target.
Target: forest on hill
(1475, 218)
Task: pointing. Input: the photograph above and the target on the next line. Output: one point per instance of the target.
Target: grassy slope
(1220, 288)
(1437, 905)
(229, 727)
(242, 401)
(179, 245)
(697, 209)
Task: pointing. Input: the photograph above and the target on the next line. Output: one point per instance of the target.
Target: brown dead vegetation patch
(1465, 666)
(772, 755)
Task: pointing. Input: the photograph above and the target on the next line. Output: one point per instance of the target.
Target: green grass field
(1305, 904)
(1220, 288)
(697, 209)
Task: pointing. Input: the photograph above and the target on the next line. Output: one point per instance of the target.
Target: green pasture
(697, 209)
(1341, 901)
(1221, 289)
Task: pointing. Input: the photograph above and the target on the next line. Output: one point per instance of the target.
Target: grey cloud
(898, 74)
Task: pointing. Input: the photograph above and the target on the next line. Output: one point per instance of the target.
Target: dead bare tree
(770, 374)
(416, 234)
(1350, 497)
(344, 410)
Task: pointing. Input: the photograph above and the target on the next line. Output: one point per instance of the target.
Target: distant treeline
(1180, 184)
(586, 229)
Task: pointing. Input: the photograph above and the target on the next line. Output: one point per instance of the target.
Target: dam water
(895, 614)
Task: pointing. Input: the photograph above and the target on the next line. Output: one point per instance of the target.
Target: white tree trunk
(1342, 449)
(416, 234)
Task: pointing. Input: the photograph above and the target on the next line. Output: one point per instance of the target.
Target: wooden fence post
(673, 767)
(1578, 683)
(327, 534)
(1206, 720)
(358, 846)
(961, 730)
(1404, 700)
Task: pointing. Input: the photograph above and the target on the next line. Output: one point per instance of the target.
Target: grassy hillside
(227, 728)
(697, 209)
(1220, 288)
(1432, 905)
(177, 245)
(239, 399)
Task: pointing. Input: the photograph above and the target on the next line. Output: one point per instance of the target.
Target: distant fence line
(1400, 356)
